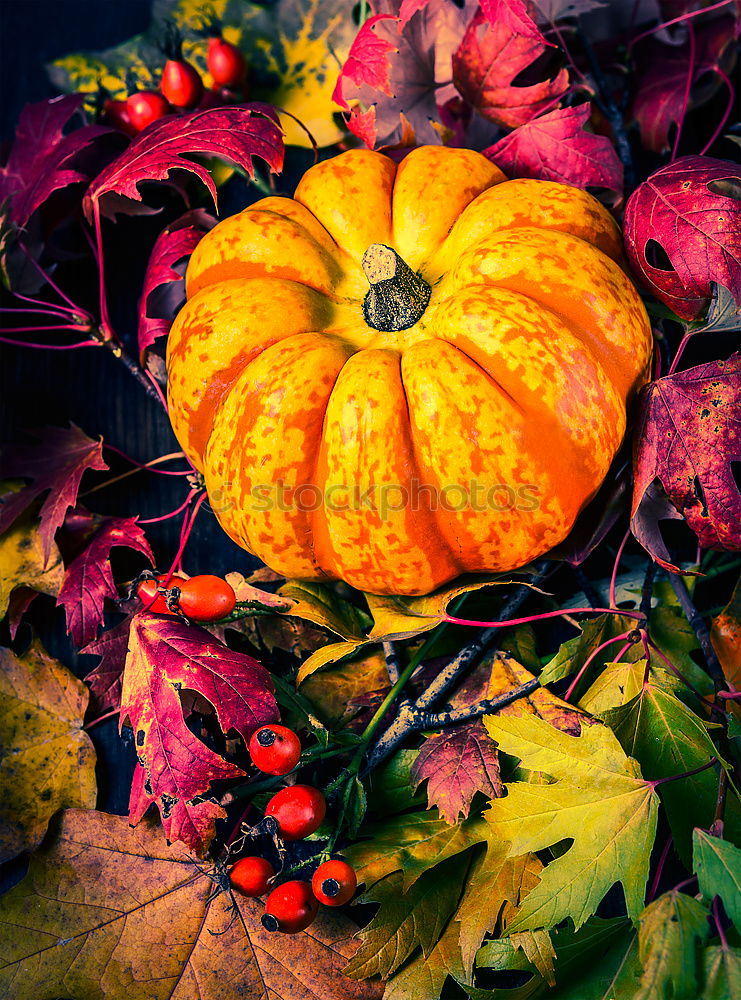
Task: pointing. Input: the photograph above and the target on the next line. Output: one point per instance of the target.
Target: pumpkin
(406, 372)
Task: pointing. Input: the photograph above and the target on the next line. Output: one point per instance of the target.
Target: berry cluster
(181, 88)
(298, 811)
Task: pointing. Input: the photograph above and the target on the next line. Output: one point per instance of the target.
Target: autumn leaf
(661, 81)
(175, 768)
(423, 978)
(105, 680)
(55, 464)
(506, 673)
(688, 436)
(725, 635)
(574, 653)
(47, 762)
(615, 685)
(107, 908)
(456, 764)
(41, 159)
(492, 55)
(236, 134)
(367, 62)
(718, 866)
(556, 147)
(722, 972)
(671, 931)
(24, 565)
(598, 800)
(406, 921)
(164, 289)
(88, 582)
(334, 693)
(689, 209)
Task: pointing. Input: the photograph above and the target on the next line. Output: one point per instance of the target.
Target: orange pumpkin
(406, 372)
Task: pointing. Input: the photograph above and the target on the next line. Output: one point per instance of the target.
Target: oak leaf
(598, 800)
(175, 768)
(88, 582)
(56, 464)
(690, 209)
(492, 55)
(110, 911)
(47, 762)
(688, 436)
(556, 147)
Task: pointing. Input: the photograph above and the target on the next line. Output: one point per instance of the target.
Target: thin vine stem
(48, 279)
(616, 566)
(173, 513)
(677, 20)
(36, 329)
(50, 347)
(547, 614)
(185, 534)
(591, 658)
(726, 114)
(685, 774)
(687, 90)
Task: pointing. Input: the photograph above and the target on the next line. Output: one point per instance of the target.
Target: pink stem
(41, 302)
(590, 659)
(40, 312)
(104, 318)
(659, 870)
(726, 113)
(730, 695)
(719, 924)
(157, 389)
(680, 351)
(33, 329)
(678, 673)
(618, 557)
(50, 347)
(677, 20)
(101, 718)
(187, 528)
(685, 774)
(687, 89)
(176, 455)
(48, 279)
(548, 614)
(173, 513)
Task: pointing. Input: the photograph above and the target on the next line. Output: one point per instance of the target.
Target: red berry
(290, 908)
(225, 62)
(334, 883)
(298, 810)
(250, 876)
(275, 749)
(181, 83)
(147, 592)
(145, 107)
(116, 113)
(206, 598)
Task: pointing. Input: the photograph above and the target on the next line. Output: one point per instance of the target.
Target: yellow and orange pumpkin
(406, 372)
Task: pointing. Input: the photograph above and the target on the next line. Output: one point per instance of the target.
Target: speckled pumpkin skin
(516, 376)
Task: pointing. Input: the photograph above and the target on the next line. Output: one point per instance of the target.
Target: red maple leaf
(690, 209)
(164, 289)
(492, 54)
(688, 436)
(40, 160)
(236, 134)
(555, 147)
(56, 464)
(106, 679)
(175, 768)
(367, 62)
(661, 98)
(457, 764)
(88, 581)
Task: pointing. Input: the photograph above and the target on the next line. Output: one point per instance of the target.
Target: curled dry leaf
(492, 55)
(175, 768)
(110, 911)
(46, 761)
(55, 464)
(690, 210)
(235, 134)
(88, 582)
(688, 436)
(556, 147)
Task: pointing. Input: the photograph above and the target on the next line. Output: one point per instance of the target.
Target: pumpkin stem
(397, 296)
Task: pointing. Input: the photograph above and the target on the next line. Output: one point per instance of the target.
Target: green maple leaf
(718, 867)
(667, 739)
(407, 921)
(573, 654)
(671, 930)
(616, 684)
(722, 971)
(423, 978)
(411, 843)
(598, 800)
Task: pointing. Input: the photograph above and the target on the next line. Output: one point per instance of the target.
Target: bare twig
(701, 630)
(392, 661)
(436, 720)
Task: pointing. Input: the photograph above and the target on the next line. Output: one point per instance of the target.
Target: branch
(392, 661)
(437, 720)
(701, 630)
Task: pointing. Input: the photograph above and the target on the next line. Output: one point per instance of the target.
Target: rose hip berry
(290, 908)
(298, 811)
(250, 876)
(334, 883)
(275, 749)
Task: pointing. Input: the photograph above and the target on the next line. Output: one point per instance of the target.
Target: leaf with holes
(236, 134)
(689, 210)
(47, 762)
(56, 464)
(175, 768)
(556, 147)
(88, 582)
(42, 157)
(110, 911)
(164, 286)
(492, 54)
(106, 679)
(688, 436)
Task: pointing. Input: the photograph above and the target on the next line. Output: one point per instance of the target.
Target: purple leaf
(89, 578)
(236, 134)
(106, 679)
